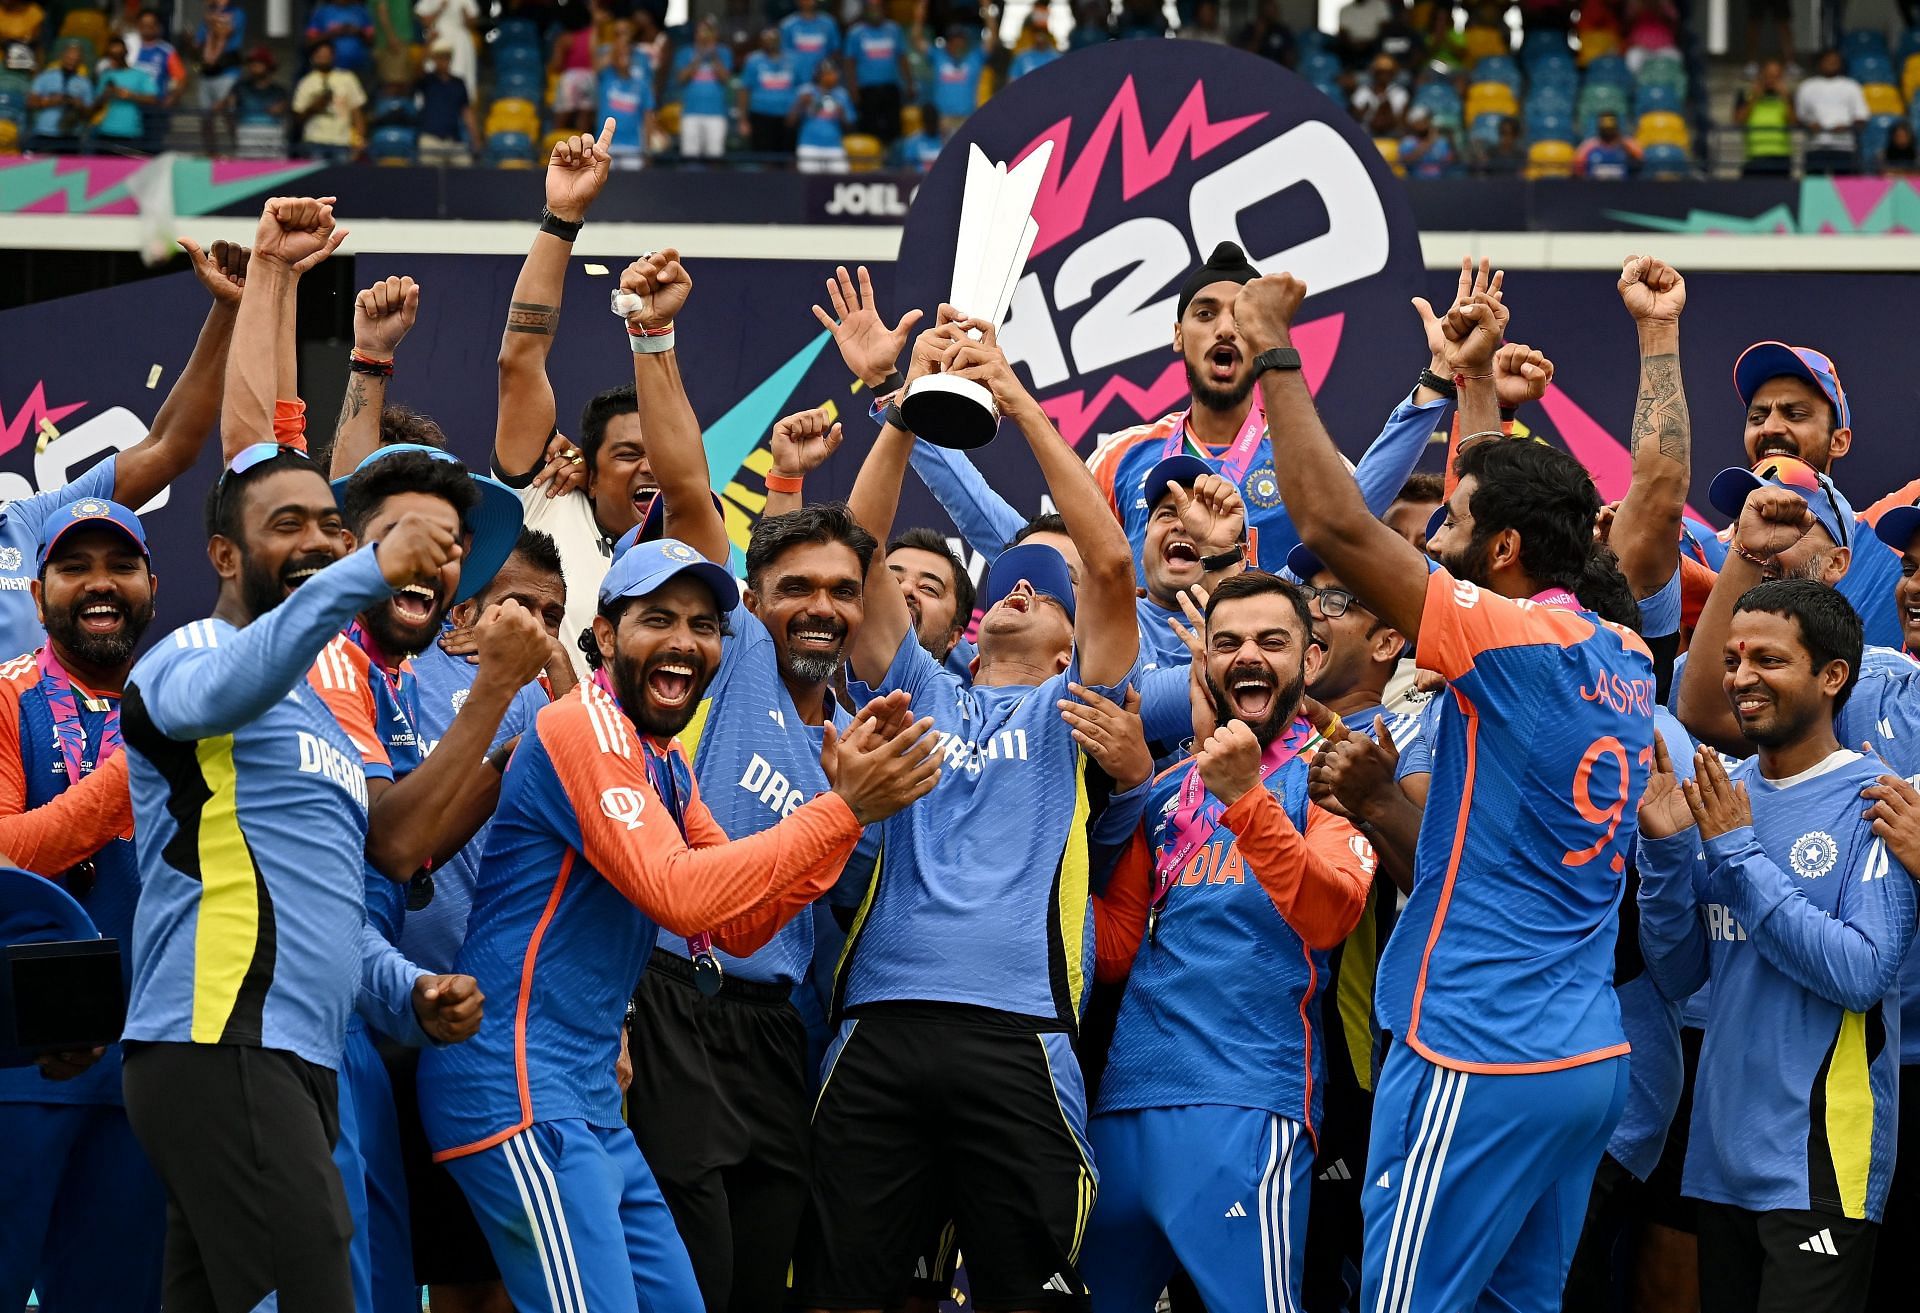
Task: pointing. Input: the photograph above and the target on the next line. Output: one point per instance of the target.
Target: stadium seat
(1908, 45)
(1485, 130)
(1389, 148)
(87, 24)
(668, 117)
(1550, 127)
(516, 32)
(9, 137)
(1663, 160)
(1597, 98)
(1498, 68)
(1609, 69)
(910, 121)
(517, 57)
(1870, 68)
(1543, 49)
(1484, 40)
(513, 115)
(1662, 127)
(1491, 98)
(1331, 90)
(1312, 38)
(393, 145)
(1320, 66)
(1883, 99)
(1873, 137)
(1564, 78)
(1549, 100)
(14, 88)
(1550, 159)
(864, 153)
(521, 84)
(1910, 75)
(510, 150)
(1599, 44)
(1864, 41)
(1663, 71)
(1441, 101)
(1651, 97)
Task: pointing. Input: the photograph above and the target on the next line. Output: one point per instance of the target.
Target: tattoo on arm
(530, 317)
(354, 402)
(1661, 410)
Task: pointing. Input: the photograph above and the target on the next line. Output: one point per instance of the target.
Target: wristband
(1757, 562)
(361, 363)
(1437, 383)
(1458, 379)
(893, 416)
(889, 385)
(1483, 433)
(554, 225)
(649, 341)
(783, 482)
(1507, 414)
(1238, 552)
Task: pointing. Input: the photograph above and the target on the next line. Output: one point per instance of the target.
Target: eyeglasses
(1333, 601)
(247, 458)
(1792, 472)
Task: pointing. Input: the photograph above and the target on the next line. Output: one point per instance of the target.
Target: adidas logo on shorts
(1238, 1210)
(1337, 1172)
(1059, 1283)
(1820, 1244)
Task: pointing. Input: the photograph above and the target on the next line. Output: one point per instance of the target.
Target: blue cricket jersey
(20, 526)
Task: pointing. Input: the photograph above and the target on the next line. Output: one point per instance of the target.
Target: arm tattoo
(1661, 410)
(530, 317)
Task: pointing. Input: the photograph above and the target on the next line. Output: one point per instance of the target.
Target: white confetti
(153, 378)
(598, 270)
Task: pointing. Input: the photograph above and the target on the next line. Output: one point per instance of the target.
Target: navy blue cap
(95, 511)
(1729, 489)
(1182, 469)
(495, 523)
(653, 525)
(1897, 527)
(645, 567)
(1040, 565)
(1434, 521)
(1302, 564)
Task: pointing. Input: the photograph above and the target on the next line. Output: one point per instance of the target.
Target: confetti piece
(153, 378)
(48, 435)
(597, 270)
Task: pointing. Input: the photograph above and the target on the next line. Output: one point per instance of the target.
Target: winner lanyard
(68, 729)
(707, 975)
(1240, 453)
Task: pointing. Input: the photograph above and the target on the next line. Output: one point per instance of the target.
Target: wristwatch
(1280, 357)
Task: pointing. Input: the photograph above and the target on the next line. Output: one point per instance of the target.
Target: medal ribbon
(666, 783)
(1240, 453)
(1190, 832)
(1556, 597)
(68, 729)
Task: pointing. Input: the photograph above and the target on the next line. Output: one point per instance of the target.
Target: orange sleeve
(741, 890)
(1461, 620)
(1453, 449)
(74, 826)
(290, 423)
(339, 676)
(1317, 881)
(1696, 581)
(1120, 914)
(1904, 496)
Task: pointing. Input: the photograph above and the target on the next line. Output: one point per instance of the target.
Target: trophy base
(950, 412)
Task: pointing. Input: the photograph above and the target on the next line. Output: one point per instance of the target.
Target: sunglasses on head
(1792, 472)
(249, 457)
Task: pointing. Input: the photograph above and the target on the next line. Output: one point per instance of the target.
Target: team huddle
(1310, 885)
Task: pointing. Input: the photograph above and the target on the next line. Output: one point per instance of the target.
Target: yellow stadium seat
(1910, 76)
(668, 118)
(9, 137)
(864, 153)
(88, 24)
(1662, 127)
(1490, 98)
(1550, 159)
(1884, 99)
(1596, 43)
(1483, 40)
(1389, 148)
(513, 115)
(910, 120)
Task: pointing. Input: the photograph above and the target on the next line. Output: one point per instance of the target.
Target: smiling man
(85, 1216)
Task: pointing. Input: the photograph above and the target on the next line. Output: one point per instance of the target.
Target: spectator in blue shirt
(809, 36)
(217, 46)
(59, 99)
(1041, 51)
(257, 100)
(1092, 24)
(1426, 151)
(350, 28)
(822, 111)
(159, 58)
(957, 66)
(769, 83)
(626, 97)
(919, 151)
(701, 73)
(125, 90)
(448, 132)
(394, 107)
(877, 71)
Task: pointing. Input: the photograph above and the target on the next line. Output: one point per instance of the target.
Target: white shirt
(1368, 98)
(1830, 106)
(585, 554)
(1363, 19)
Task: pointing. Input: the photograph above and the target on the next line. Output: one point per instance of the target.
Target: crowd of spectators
(1601, 89)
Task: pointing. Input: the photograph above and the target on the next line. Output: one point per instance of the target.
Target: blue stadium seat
(1864, 41)
(515, 32)
(1657, 96)
(1550, 127)
(1666, 162)
(1542, 50)
(1609, 70)
(1332, 91)
(521, 84)
(517, 57)
(1873, 137)
(1313, 38)
(504, 146)
(1871, 66)
(1486, 129)
(1498, 68)
(13, 97)
(1550, 99)
(1319, 65)
(393, 145)
(1557, 77)
(1440, 100)
(1909, 44)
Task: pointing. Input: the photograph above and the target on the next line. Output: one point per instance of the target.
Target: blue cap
(1182, 469)
(95, 511)
(495, 523)
(653, 525)
(1302, 564)
(1729, 489)
(646, 567)
(1765, 360)
(1897, 527)
(1434, 521)
(1040, 565)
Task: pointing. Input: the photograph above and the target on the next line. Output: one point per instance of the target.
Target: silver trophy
(996, 235)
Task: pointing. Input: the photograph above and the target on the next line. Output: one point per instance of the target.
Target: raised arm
(382, 316)
(801, 443)
(295, 233)
(576, 172)
(1646, 528)
(658, 285)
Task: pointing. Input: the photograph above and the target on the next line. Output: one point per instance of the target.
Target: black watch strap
(1280, 357)
(1236, 553)
(1438, 383)
(556, 226)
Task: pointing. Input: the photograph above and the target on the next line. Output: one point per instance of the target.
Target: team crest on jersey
(1813, 855)
(9, 558)
(1263, 489)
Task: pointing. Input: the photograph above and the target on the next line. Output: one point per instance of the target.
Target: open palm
(1663, 807)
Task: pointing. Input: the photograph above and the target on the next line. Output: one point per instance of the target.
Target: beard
(810, 667)
(100, 651)
(403, 638)
(1218, 398)
(1280, 712)
(1469, 564)
(630, 686)
(262, 589)
(1783, 726)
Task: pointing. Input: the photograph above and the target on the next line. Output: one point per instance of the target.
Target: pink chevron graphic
(102, 174)
(225, 173)
(1861, 196)
(27, 419)
(1603, 454)
(1066, 194)
(1317, 342)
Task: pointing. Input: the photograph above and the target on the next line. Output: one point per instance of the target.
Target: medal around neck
(997, 233)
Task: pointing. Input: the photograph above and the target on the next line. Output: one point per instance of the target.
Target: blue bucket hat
(495, 523)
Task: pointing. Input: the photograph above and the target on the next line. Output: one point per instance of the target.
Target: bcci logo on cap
(623, 805)
(1162, 150)
(680, 552)
(88, 508)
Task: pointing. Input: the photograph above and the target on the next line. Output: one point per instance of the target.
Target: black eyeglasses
(1333, 601)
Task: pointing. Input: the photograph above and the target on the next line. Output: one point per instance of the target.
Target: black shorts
(937, 1111)
(1660, 1198)
(449, 1248)
(719, 1106)
(1784, 1260)
(1896, 1269)
(243, 1138)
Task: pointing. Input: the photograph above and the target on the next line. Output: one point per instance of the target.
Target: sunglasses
(1792, 472)
(247, 458)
